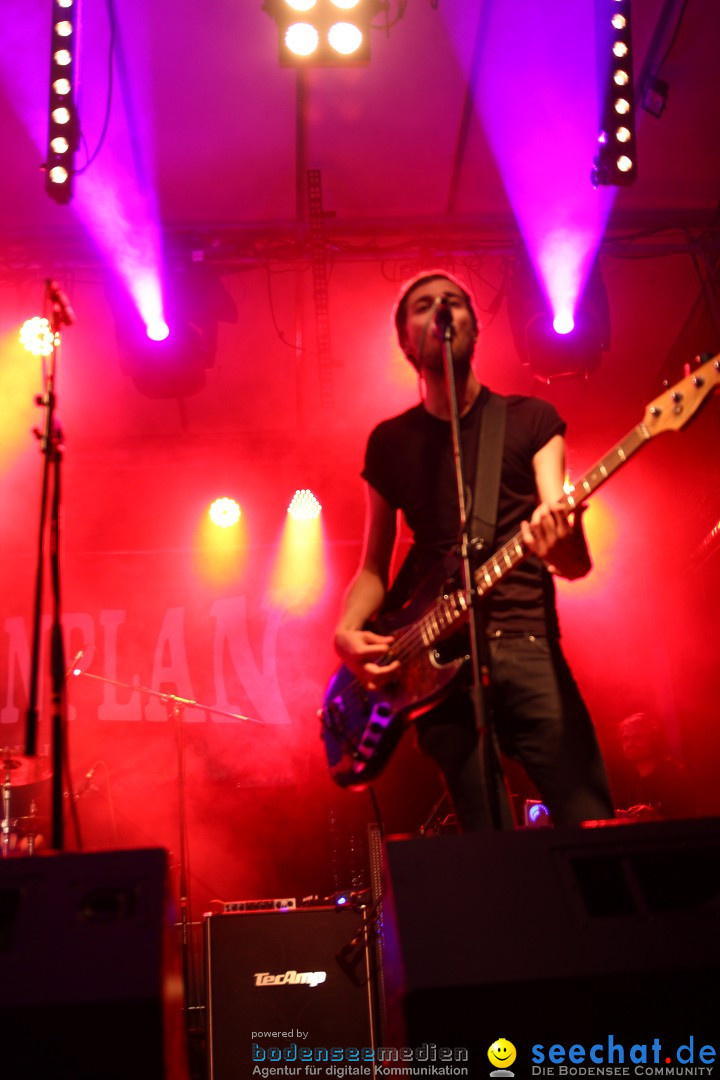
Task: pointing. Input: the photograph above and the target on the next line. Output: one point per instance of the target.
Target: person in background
(659, 787)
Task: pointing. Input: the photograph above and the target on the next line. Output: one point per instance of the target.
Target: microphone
(86, 781)
(71, 669)
(437, 321)
(61, 305)
(84, 785)
(443, 317)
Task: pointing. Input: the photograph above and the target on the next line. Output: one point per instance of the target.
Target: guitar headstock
(677, 405)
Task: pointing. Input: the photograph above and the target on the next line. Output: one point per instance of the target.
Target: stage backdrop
(242, 623)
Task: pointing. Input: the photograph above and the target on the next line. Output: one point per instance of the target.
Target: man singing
(538, 715)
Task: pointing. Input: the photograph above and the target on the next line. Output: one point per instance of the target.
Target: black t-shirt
(667, 789)
(409, 461)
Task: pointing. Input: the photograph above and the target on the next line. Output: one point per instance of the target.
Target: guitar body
(360, 728)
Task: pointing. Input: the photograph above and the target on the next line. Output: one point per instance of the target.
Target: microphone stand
(489, 765)
(175, 708)
(51, 448)
(175, 713)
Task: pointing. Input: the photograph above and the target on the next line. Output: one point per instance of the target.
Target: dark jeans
(540, 720)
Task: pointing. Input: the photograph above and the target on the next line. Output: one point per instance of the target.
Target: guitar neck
(452, 609)
(514, 551)
(668, 412)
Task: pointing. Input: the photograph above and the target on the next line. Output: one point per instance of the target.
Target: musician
(659, 787)
(538, 713)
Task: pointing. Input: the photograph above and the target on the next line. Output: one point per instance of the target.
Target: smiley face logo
(502, 1054)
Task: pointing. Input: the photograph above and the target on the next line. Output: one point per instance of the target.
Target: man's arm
(554, 533)
(356, 647)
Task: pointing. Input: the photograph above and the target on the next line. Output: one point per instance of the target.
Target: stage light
(302, 39)
(562, 343)
(330, 32)
(617, 103)
(553, 355)
(37, 337)
(158, 330)
(172, 363)
(563, 323)
(224, 513)
(62, 122)
(304, 506)
(345, 38)
(58, 174)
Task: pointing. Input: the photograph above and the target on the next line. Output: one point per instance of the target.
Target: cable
(674, 37)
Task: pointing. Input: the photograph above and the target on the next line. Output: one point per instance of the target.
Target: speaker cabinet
(90, 985)
(278, 979)
(552, 936)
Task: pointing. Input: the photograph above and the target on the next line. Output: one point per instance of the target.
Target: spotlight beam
(540, 116)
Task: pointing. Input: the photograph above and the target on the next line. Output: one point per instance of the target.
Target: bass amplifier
(277, 981)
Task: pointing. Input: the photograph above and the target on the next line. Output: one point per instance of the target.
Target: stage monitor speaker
(547, 936)
(278, 981)
(90, 985)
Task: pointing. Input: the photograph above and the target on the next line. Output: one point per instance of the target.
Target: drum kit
(24, 790)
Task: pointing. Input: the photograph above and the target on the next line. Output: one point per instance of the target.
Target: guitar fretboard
(452, 609)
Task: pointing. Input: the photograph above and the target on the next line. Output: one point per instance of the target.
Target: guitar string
(448, 613)
(513, 551)
(505, 558)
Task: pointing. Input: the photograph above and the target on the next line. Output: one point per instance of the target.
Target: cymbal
(23, 770)
(30, 824)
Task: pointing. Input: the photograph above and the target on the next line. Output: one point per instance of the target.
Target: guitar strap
(483, 526)
(483, 517)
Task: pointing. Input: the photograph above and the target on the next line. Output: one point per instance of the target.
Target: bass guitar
(360, 729)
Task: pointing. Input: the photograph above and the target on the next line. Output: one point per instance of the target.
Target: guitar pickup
(333, 717)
